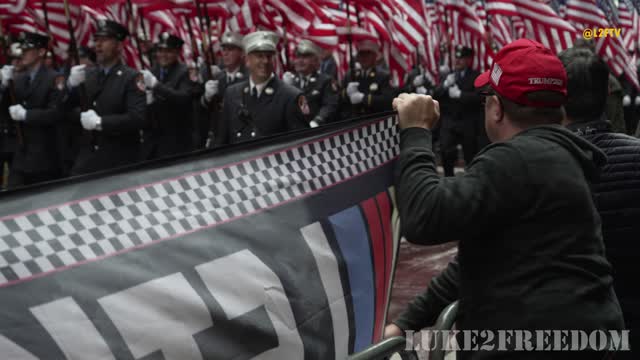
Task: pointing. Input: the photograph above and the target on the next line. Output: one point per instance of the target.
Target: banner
(278, 249)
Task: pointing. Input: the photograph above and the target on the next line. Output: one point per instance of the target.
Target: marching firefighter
(369, 90)
(320, 90)
(234, 72)
(262, 105)
(113, 112)
(462, 118)
(36, 113)
(170, 95)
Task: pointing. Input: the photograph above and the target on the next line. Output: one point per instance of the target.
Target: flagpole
(205, 43)
(207, 18)
(46, 23)
(352, 64)
(134, 33)
(194, 45)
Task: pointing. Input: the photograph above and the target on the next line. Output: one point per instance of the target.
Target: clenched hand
(415, 110)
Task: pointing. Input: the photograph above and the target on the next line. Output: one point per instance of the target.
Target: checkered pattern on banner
(65, 235)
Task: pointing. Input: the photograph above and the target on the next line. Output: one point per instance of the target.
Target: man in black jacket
(462, 112)
(171, 92)
(320, 90)
(262, 105)
(531, 255)
(38, 93)
(115, 97)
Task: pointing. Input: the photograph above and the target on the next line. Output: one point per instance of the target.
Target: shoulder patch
(303, 105)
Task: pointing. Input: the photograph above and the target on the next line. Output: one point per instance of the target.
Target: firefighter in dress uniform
(262, 105)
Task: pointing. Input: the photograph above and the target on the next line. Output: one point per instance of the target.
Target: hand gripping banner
(278, 249)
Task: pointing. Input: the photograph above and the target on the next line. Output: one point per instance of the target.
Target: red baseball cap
(522, 67)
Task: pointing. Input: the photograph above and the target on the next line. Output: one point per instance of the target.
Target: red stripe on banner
(377, 247)
(384, 206)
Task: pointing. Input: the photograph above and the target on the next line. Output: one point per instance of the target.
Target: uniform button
(238, 134)
(95, 103)
(253, 134)
(96, 147)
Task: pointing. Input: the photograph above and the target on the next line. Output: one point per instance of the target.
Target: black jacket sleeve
(223, 124)
(329, 107)
(435, 210)
(50, 114)
(181, 96)
(424, 310)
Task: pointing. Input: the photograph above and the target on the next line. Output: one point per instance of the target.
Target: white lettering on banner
(161, 314)
(10, 350)
(72, 330)
(260, 286)
(330, 275)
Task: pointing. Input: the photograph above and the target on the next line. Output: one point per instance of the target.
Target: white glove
(287, 78)
(313, 124)
(626, 100)
(77, 75)
(150, 80)
(211, 89)
(149, 97)
(454, 92)
(7, 74)
(352, 88)
(421, 90)
(90, 120)
(356, 98)
(450, 80)
(637, 101)
(418, 81)
(444, 69)
(18, 112)
(215, 70)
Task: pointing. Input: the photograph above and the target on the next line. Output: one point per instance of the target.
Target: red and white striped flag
(630, 24)
(586, 13)
(469, 30)
(541, 23)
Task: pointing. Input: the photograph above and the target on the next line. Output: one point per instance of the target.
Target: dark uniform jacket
(376, 87)
(322, 95)
(208, 122)
(467, 107)
(41, 97)
(120, 100)
(8, 139)
(277, 110)
(172, 111)
(528, 231)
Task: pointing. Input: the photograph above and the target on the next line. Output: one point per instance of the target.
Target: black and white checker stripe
(50, 239)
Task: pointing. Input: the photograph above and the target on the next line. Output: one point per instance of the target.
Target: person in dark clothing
(617, 191)
(38, 95)
(234, 72)
(369, 91)
(531, 254)
(172, 93)
(320, 90)
(262, 105)
(328, 65)
(462, 112)
(113, 124)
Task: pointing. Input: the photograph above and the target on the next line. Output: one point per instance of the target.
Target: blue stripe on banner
(351, 233)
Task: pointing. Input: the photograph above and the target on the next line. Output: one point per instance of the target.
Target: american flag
(586, 13)
(629, 22)
(541, 23)
(469, 30)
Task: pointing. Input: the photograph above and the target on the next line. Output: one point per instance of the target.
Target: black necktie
(163, 74)
(254, 92)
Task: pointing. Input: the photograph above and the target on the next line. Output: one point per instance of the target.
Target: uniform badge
(119, 73)
(140, 83)
(60, 82)
(373, 74)
(239, 75)
(315, 92)
(268, 91)
(312, 79)
(373, 87)
(303, 105)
